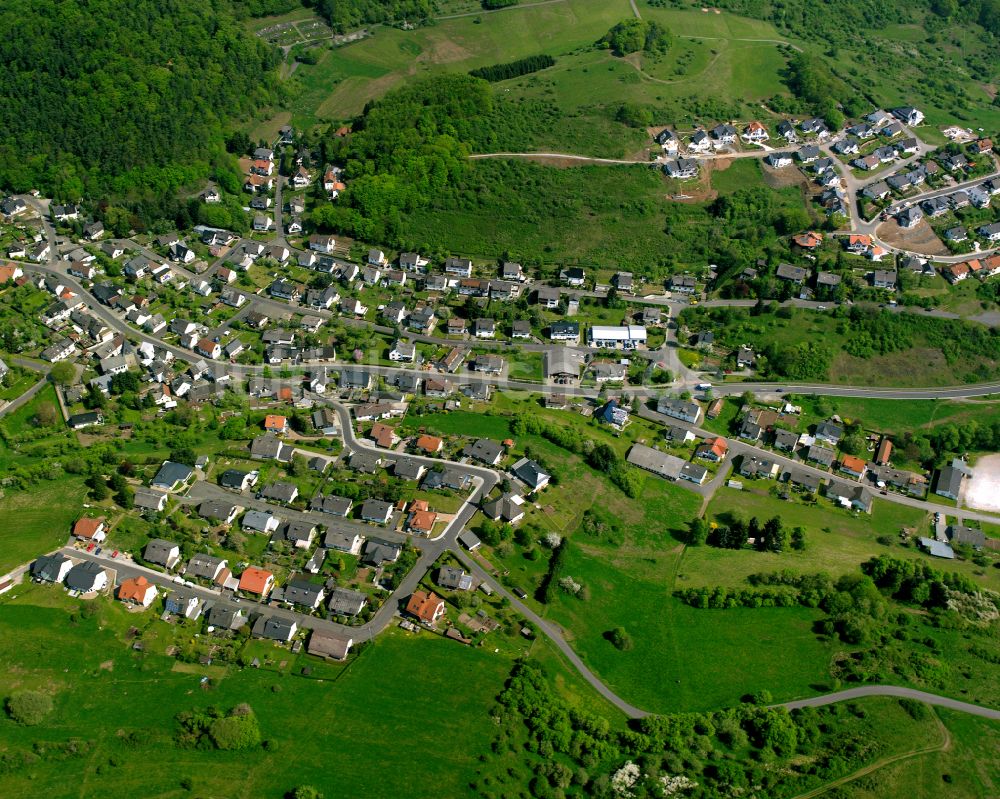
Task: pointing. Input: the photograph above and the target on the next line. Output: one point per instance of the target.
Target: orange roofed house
(421, 519)
(256, 581)
(9, 271)
(90, 529)
(426, 607)
(137, 591)
(714, 449)
(274, 423)
(852, 466)
(808, 241)
(383, 435)
(884, 452)
(429, 444)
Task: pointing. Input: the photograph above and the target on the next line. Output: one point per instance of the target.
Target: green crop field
(335, 731)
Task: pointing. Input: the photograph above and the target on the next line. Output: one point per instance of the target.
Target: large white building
(628, 337)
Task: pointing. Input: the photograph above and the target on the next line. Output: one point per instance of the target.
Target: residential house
(850, 496)
(208, 567)
(685, 410)
(853, 466)
(51, 568)
(376, 511)
(829, 432)
(378, 551)
(508, 508)
(171, 475)
(573, 276)
(820, 454)
(485, 451)
(90, 529)
(238, 480)
(794, 274)
(681, 168)
(547, 297)
(714, 449)
(162, 553)
(256, 581)
(344, 602)
(137, 591)
(278, 491)
(218, 510)
(659, 463)
(86, 577)
(531, 474)
(427, 607)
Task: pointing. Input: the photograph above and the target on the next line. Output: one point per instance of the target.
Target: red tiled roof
(255, 580)
(134, 590)
(426, 607)
(87, 528)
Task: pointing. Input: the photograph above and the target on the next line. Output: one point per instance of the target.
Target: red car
(91, 545)
(114, 554)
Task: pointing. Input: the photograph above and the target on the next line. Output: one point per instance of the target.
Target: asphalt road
(893, 690)
(14, 404)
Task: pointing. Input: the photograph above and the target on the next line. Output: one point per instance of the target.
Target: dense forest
(345, 15)
(410, 145)
(122, 99)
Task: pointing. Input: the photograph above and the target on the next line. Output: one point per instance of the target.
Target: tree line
(513, 69)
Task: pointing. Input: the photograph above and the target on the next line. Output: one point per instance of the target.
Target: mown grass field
(683, 658)
(364, 70)
(337, 733)
(38, 521)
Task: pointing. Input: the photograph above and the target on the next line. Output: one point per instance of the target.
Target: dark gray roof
(483, 450)
(378, 551)
(408, 469)
(455, 578)
(204, 566)
(338, 506)
(303, 592)
(82, 576)
(170, 474)
(375, 509)
(970, 536)
(344, 602)
(281, 492)
(159, 551)
(47, 567)
(227, 616)
(232, 478)
(529, 472)
(216, 509)
(274, 628)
